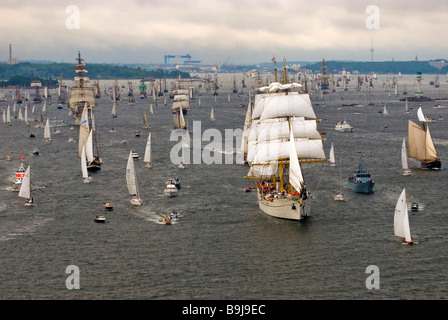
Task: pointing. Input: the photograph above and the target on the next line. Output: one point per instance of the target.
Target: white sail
(246, 129)
(401, 218)
(25, 187)
(277, 150)
(404, 158)
(332, 157)
(385, 111)
(47, 134)
(8, 115)
(181, 118)
(151, 110)
(4, 116)
(420, 115)
(212, 115)
(295, 172)
(114, 106)
(278, 129)
(276, 105)
(406, 107)
(147, 157)
(85, 174)
(84, 130)
(131, 179)
(89, 147)
(26, 114)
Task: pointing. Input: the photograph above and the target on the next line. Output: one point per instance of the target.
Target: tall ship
(361, 180)
(421, 145)
(282, 135)
(81, 93)
(181, 104)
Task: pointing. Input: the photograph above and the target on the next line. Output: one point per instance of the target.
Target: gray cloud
(247, 31)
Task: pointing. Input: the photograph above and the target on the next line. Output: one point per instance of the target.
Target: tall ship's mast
(282, 135)
(81, 92)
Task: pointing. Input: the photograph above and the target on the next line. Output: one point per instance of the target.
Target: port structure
(187, 58)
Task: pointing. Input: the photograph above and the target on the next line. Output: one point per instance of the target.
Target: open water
(222, 246)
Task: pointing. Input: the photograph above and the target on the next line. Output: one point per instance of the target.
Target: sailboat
(145, 120)
(86, 178)
(385, 113)
(147, 157)
(131, 181)
(25, 188)
(47, 135)
(283, 130)
(401, 220)
(404, 159)
(114, 106)
(212, 115)
(406, 107)
(8, 116)
(87, 139)
(332, 158)
(421, 145)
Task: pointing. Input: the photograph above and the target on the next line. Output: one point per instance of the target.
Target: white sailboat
(151, 109)
(47, 135)
(339, 196)
(131, 182)
(385, 112)
(404, 159)
(212, 115)
(283, 131)
(114, 106)
(332, 158)
(406, 107)
(86, 178)
(25, 188)
(147, 157)
(8, 116)
(401, 219)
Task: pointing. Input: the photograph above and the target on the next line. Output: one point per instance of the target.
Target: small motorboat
(338, 196)
(134, 155)
(9, 157)
(181, 165)
(100, 218)
(249, 189)
(170, 190)
(108, 207)
(414, 206)
(36, 152)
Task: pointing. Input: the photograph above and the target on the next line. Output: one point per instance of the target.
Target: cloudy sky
(232, 31)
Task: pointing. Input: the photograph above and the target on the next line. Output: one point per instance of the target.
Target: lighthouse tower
(419, 93)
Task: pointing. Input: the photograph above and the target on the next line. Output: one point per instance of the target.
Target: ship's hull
(286, 208)
(435, 165)
(361, 187)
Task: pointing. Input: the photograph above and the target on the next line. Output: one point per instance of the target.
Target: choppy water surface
(222, 246)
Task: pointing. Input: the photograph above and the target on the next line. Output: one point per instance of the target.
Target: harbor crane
(184, 56)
